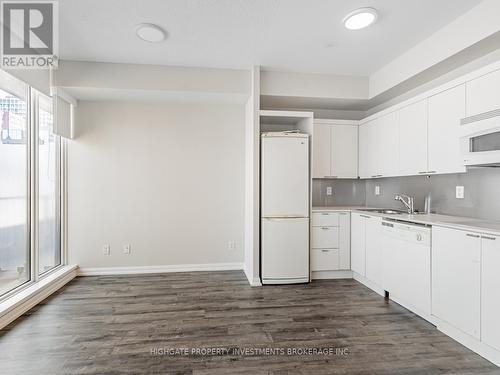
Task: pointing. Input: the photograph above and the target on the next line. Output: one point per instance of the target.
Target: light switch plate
(329, 190)
(460, 192)
(377, 190)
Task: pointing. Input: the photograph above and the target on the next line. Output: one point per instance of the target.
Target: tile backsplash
(481, 199)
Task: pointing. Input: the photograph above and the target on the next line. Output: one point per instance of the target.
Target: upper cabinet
(321, 151)
(366, 150)
(413, 139)
(483, 94)
(387, 146)
(420, 138)
(379, 147)
(335, 149)
(445, 111)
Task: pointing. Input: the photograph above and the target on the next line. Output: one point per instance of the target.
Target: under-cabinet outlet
(329, 190)
(231, 245)
(106, 249)
(126, 249)
(377, 190)
(460, 192)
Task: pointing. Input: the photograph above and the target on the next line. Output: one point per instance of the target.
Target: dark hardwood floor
(113, 325)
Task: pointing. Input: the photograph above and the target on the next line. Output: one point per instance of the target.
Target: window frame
(32, 205)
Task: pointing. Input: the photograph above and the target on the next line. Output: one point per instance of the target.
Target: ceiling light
(360, 18)
(150, 33)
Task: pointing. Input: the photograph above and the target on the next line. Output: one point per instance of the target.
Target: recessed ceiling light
(360, 18)
(150, 33)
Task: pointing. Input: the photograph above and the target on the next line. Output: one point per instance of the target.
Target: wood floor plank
(111, 324)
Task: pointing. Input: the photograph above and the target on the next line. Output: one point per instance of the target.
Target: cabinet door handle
(325, 228)
(342, 213)
(325, 251)
(366, 217)
(489, 238)
(473, 235)
(432, 172)
(325, 213)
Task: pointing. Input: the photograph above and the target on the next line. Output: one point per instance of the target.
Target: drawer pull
(325, 251)
(489, 238)
(473, 235)
(325, 228)
(325, 213)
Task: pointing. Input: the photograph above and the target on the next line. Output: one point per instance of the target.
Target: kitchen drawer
(325, 219)
(325, 237)
(324, 259)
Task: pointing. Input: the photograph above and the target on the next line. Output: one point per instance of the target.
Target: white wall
(166, 178)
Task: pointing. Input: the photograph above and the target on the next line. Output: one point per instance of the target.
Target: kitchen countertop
(455, 222)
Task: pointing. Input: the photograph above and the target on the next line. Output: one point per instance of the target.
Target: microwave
(480, 139)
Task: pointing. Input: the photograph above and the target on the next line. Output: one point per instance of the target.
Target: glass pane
(49, 237)
(487, 142)
(14, 245)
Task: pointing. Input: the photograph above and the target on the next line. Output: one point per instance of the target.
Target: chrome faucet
(407, 201)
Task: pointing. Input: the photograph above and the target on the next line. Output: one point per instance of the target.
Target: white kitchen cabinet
(344, 151)
(456, 278)
(367, 150)
(358, 243)
(373, 249)
(321, 151)
(446, 109)
(387, 145)
(413, 139)
(483, 94)
(325, 259)
(335, 150)
(345, 240)
(325, 237)
(490, 289)
(330, 241)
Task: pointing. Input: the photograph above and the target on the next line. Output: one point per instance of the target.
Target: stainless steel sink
(385, 211)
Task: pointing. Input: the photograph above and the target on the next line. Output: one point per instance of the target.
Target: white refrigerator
(285, 206)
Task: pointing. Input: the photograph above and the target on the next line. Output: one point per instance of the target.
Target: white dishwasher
(406, 250)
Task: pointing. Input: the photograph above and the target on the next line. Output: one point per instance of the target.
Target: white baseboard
(331, 275)
(103, 271)
(253, 281)
(368, 283)
(470, 342)
(18, 304)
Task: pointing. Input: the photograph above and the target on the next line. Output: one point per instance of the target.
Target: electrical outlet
(377, 190)
(460, 192)
(231, 245)
(106, 249)
(329, 190)
(126, 249)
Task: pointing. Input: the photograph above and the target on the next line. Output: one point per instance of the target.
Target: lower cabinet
(373, 235)
(490, 289)
(330, 241)
(366, 254)
(358, 243)
(456, 278)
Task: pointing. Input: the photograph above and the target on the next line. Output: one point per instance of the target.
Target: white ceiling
(288, 35)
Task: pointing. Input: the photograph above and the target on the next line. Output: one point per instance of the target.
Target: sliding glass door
(14, 187)
(49, 167)
(30, 186)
